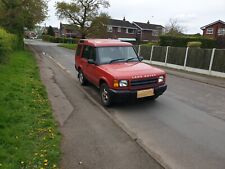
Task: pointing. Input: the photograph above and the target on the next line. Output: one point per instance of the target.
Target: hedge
(150, 44)
(220, 42)
(182, 41)
(8, 42)
(194, 44)
(59, 39)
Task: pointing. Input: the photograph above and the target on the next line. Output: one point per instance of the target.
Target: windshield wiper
(130, 59)
(115, 60)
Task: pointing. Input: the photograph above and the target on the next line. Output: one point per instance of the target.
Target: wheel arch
(79, 68)
(101, 81)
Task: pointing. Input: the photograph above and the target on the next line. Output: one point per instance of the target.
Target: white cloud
(184, 18)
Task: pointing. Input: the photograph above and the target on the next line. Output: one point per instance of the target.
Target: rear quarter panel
(77, 56)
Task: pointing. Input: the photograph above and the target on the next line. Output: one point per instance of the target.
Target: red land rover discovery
(116, 69)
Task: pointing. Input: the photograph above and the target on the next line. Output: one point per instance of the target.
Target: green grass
(28, 133)
(68, 46)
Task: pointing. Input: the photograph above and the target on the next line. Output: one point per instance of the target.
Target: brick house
(68, 31)
(121, 29)
(214, 30)
(116, 29)
(148, 32)
(56, 31)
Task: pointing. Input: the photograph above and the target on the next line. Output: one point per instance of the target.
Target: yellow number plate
(145, 93)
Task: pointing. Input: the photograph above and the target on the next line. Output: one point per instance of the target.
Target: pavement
(182, 129)
(91, 140)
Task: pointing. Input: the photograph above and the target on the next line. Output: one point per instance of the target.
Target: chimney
(124, 19)
(148, 22)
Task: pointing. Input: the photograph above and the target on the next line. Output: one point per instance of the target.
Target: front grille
(144, 82)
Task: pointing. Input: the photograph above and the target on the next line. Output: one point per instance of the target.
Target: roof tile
(148, 26)
(121, 23)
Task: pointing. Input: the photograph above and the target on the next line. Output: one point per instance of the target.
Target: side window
(92, 53)
(78, 51)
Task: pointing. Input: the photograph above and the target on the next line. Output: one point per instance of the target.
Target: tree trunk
(20, 36)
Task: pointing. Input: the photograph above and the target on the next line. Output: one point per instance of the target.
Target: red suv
(116, 69)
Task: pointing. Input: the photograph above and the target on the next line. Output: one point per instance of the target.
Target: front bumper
(132, 94)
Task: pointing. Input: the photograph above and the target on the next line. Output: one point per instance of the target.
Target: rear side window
(86, 52)
(89, 53)
(78, 51)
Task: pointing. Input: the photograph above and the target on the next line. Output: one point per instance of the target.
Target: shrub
(194, 44)
(182, 41)
(150, 44)
(8, 42)
(220, 42)
(59, 39)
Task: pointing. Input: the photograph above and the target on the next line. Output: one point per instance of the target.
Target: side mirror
(91, 61)
(141, 58)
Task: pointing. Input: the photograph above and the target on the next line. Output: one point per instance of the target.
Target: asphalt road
(183, 129)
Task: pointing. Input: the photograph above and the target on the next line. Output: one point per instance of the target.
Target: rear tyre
(106, 99)
(81, 78)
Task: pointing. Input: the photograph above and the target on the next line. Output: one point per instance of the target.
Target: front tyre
(81, 78)
(153, 97)
(106, 99)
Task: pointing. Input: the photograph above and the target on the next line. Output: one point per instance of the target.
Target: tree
(50, 31)
(84, 14)
(98, 26)
(15, 15)
(173, 28)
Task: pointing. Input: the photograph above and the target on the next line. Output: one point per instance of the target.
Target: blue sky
(191, 14)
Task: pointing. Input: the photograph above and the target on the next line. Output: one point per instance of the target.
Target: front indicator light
(115, 84)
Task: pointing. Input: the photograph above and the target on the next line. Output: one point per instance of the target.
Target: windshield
(116, 54)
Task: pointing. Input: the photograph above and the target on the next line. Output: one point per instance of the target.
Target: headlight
(161, 79)
(123, 83)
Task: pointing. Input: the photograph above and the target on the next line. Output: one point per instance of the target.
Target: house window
(109, 29)
(119, 29)
(130, 31)
(221, 31)
(155, 33)
(124, 30)
(209, 31)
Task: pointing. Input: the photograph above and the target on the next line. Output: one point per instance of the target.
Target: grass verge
(28, 133)
(68, 46)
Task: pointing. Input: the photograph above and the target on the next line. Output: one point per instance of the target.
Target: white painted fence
(184, 67)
